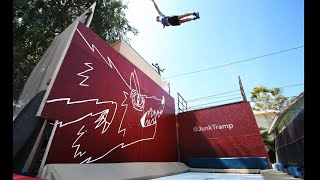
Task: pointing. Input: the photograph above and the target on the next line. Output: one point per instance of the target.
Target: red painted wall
(224, 131)
(108, 110)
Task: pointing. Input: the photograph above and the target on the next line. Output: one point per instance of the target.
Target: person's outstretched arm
(155, 5)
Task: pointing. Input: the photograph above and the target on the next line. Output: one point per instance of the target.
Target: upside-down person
(174, 20)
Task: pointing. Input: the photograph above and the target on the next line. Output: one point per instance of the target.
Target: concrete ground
(271, 174)
(154, 170)
(212, 176)
(268, 174)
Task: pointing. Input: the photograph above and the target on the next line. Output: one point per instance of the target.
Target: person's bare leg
(184, 15)
(185, 20)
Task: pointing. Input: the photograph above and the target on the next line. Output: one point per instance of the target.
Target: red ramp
(107, 109)
(227, 131)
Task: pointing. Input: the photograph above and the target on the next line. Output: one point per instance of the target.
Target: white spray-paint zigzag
(76, 153)
(68, 102)
(100, 121)
(93, 48)
(86, 77)
(109, 62)
(133, 74)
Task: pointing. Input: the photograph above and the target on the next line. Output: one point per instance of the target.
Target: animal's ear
(134, 83)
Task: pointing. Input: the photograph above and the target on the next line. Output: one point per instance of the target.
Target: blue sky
(228, 31)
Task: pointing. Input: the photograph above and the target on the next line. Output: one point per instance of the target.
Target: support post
(242, 91)
(27, 165)
(47, 148)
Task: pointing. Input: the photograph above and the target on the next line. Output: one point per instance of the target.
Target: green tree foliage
(269, 99)
(269, 143)
(37, 22)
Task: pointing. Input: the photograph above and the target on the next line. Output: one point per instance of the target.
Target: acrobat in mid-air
(174, 20)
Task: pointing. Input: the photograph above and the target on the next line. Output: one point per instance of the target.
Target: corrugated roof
(287, 114)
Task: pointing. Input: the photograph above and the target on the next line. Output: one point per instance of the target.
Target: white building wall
(265, 118)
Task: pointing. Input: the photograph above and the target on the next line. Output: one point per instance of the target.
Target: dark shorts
(173, 20)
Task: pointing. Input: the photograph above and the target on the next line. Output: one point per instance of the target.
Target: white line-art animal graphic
(110, 127)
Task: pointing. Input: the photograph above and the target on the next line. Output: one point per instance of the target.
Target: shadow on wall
(26, 128)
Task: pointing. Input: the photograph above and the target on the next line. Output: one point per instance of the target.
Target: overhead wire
(201, 105)
(249, 59)
(215, 102)
(212, 97)
(218, 97)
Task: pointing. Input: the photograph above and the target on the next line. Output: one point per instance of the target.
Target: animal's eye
(137, 100)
